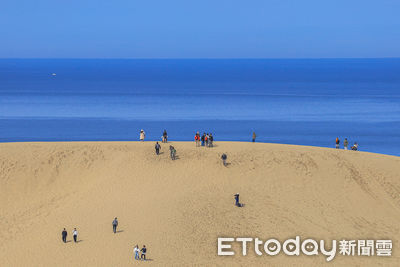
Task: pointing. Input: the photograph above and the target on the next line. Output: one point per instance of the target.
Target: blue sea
(290, 101)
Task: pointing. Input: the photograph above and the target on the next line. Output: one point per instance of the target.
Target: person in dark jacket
(115, 224)
(224, 157)
(157, 147)
(337, 142)
(143, 250)
(210, 140)
(165, 136)
(203, 138)
(237, 200)
(64, 235)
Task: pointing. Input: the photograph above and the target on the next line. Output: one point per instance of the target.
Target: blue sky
(199, 29)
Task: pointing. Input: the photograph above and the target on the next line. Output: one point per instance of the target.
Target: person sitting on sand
(165, 137)
(355, 147)
(143, 250)
(75, 234)
(142, 135)
(136, 251)
(64, 234)
(345, 144)
(197, 139)
(337, 142)
(224, 157)
(157, 147)
(115, 224)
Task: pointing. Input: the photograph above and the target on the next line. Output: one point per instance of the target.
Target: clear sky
(199, 29)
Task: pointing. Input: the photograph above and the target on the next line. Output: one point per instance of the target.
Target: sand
(179, 208)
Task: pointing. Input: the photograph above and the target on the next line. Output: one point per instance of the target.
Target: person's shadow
(119, 231)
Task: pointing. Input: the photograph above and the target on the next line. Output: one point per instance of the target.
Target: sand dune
(179, 208)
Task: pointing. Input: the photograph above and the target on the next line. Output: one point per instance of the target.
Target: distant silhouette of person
(157, 147)
(203, 137)
(197, 139)
(75, 234)
(355, 147)
(136, 250)
(165, 136)
(64, 234)
(143, 250)
(337, 142)
(254, 137)
(115, 224)
(237, 203)
(345, 144)
(142, 135)
(210, 140)
(237, 200)
(224, 157)
(172, 151)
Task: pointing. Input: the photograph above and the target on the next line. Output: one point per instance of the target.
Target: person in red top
(337, 142)
(197, 139)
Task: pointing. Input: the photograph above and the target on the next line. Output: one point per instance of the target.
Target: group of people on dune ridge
(345, 144)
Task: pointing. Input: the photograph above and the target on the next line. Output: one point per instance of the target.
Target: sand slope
(179, 208)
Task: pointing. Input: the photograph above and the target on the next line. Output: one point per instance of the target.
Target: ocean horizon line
(194, 58)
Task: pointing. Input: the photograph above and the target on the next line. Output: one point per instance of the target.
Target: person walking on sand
(64, 234)
(75, 234)
(142, 135)
(157, 147)
(172, 152)
(143, 250)
(345, 144)
(165, 136)
(237, 200)
(224, 157)
(115, 224)
(337, 142)
(136, 251)
(254, 136)
(197, 139)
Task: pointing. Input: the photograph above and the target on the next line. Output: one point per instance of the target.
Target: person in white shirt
(142, 135)
(136, 250)
(75, 234)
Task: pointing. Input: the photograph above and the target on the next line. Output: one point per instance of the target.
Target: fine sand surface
(179, 208)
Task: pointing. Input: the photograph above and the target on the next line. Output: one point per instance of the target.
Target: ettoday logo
(309, 247)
